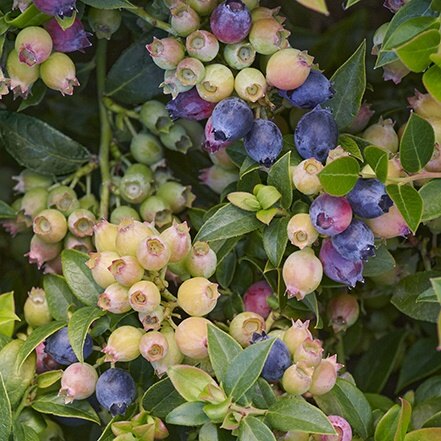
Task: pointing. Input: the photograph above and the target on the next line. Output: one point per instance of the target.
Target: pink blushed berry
(78, 382)
(166, 53)
(255, 298)
(296, 335)
(191, 337)
(115, 299)
(99, 265)
(74, 38)
(153, 253)
(341, 426)
(309, 352)
(41, 252)
(389, 225)
(178, 240)
(153, 346)
(33, 45)
(324, 376)
(144, 296)
(297, 379)
(129, 234)
(123, 344)
(343, 311)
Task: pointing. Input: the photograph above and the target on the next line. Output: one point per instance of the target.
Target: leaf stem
(159, 24)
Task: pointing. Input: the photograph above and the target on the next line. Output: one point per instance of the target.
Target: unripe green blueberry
(156, 211)
(146, 149)
(191, 337)
(425, 105)
(288, 68)
(126, 270)
(222, 159)
(123, 344)
(203, 7)
(151, 321)
(21, 76)
(50, 225)
(129, 233)
(104, 22)
(218, 178)
(78, 382)
(217, 84)
(250, 84)
(41, 252)
(268, 36)
(198, 296)
(201, 260)
(343, 311)
(190, 71)
(301, 232)
(202, 45)
(239, 55)
(34, 201)
(325, 376)
(174, 355)
(28, 180)
(389, 225)
(166, 53)
(153, 253)
(64, 199)
(244, 325)
(82, 244)
(382, 134)
(178, 239)
(58, 73)
(155, 117)
(89, 202)
(176, 139)
(184, 20)
(262, 12)
(123, 212)
(81, 222)
(153, 346)
(136, 185)
(176, 196)
(33, 45)
(194, 130)
(99, 266)
(115, 299)
(36, 309)
(297, 379)
(105, 235)
(302, 273)
(171, 85)
(309, 352)
(305, 176)
(144, 296)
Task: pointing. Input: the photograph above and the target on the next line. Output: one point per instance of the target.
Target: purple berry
(393, 5)
(190, 105)
(56, 7)
(330, 215)
(115, 390)
(356, 242)
(369, 198)
(72, 39)
(264, 142)
(211, 144)
(314, 91)
(231, 21)
(255, 298)
(316, 134)
(338, 268)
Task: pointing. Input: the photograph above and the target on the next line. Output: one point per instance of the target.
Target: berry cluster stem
(144, 15)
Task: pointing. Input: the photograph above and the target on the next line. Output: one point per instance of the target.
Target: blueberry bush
(219, 220)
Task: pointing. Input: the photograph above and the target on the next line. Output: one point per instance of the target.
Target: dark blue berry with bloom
(190, 105)
(54, 8)
(74, 38)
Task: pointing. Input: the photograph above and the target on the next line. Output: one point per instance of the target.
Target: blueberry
(190, 105)
(316, 133)
(369, 198)
(59, 348)
(231, 21)
(278, 360)
(314, 91)
(56, 7)
(330, 215)
(74, 38)
(231, 119)
(263, 142)
(356, 242)
(115, 390)
(338, 268)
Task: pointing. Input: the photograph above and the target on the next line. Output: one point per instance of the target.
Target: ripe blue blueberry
(369, 199)
(190, 105)
(356, 242)
(56, 7)
(314, 91)
(278, 360)
(330, 215)
(115, 390)
(263, 142)
(231, 119)
(339, 269)
(59, 348)
(316, 134)
(231, 21)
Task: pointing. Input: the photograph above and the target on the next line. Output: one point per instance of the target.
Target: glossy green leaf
(58, 295)
(5, 411)
(315, 5)
(275, 238)
(427, 413)
(23, 432)
(430, 434)
(430, 388)
(350, 3)
(79, 325)
(394, 424)
(382, 262)
(350, 145)
(6, 212)
(47, 379)
(378, 160)
(339, 177)
(431, 201)
(79, 277)
(261, 395)
(294, 413)
(416, 144)
(408, 202)
(253, 429)
(109, 4)
(210, 432)
(7, 314)
(349, 83)
(279, 177)
(378, 401)
(39, 90)
(432, 81)
(188, 414)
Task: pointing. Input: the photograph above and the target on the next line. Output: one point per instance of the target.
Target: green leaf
(134, 78)
(245, 368)
(279, 177)
(261, 394)
(275, 238)
(346, 400)
(253, 429)
(348, 144)
(188, 414)
(7, 314)
(38, 146)
(229, 221)
(350, 3)
(376, 365)
(5, 411)
(380, 402)
(432, 81)
(6, 212)
(294, 413)
(430, 434)
(59, 296)
(417, 144)
(39, 90)
(431, 388)
(161, 398)
(210, 432)
(315, 5)
(222, 350)
(349, 84)
(53, 404)
(415, 54)
(47, 379)
(79, 325)
(382, 262)
(378, 160)
(339, 177)
(79, 277)
(109, 4)
(408, 202)
(431, 201)
(394, 424)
